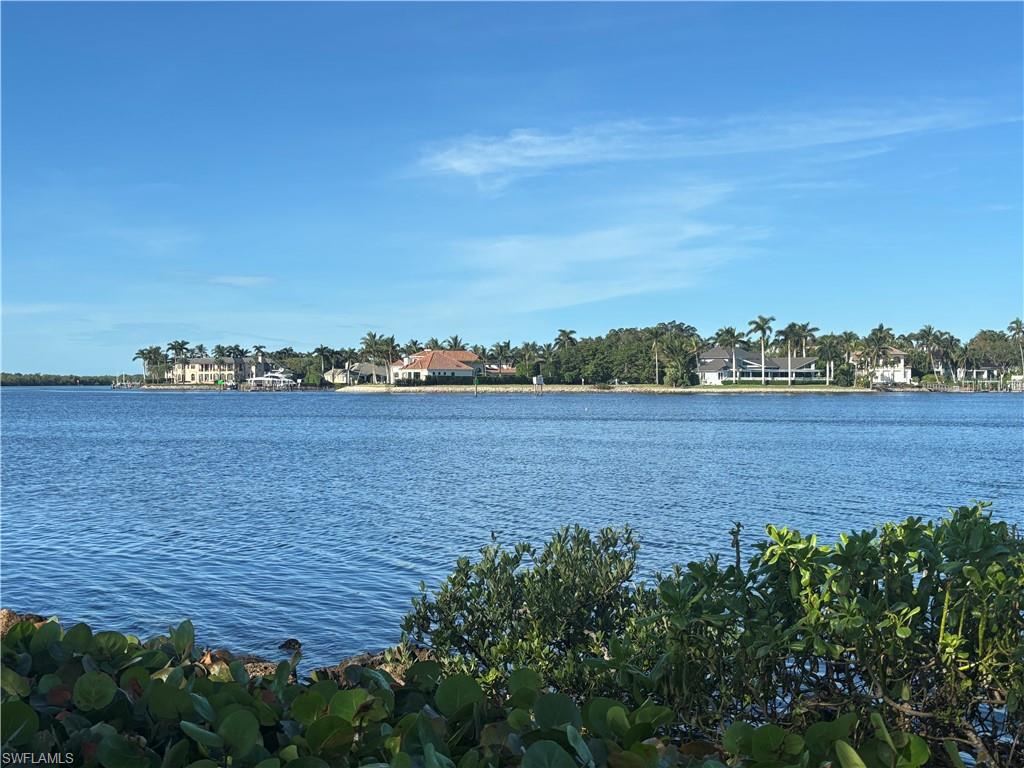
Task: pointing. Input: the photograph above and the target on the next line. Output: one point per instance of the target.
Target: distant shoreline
(565, 389)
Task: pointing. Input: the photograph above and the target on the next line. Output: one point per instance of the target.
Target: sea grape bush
(112, 701)
(922, 622)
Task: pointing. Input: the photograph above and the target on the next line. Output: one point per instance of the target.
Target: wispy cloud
(16, 309)
(497, 159)
(155, 241)
(240, 281)
(640, 255)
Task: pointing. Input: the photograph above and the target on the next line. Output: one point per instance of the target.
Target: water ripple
(316, 516)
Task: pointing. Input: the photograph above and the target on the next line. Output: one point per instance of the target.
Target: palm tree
(500, 352)
(805, 334)
(199, 350)
(829, 351)
(370, 350)
(565, 339)
(654, 348)
(411, 347)
(1016, 331)
(762, 326)
(143, 355)
(530, 351)
(179, 349)
(434, 343)
(388, 351)
(731, 338)
(788, 335)
(928, 338)
(455, 343)
(323, 352)
(694, 345)
(848, 342)
(876, 347)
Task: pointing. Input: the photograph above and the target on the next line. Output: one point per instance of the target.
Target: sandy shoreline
(565, 389)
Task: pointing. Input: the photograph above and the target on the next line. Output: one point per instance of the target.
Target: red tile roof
(437, 360)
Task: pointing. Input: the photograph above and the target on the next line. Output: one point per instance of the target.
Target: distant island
(54, 380)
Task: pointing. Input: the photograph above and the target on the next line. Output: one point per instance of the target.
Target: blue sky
(301, 174)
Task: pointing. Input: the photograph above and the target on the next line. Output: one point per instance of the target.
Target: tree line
(666, 353)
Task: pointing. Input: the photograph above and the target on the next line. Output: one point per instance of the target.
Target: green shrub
(549, 609)
(112, 701)
(922, 621)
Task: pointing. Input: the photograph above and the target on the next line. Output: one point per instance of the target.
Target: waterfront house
(894, 368)
(216, 370)
(715, 367)
(437, 365)
(357, 373)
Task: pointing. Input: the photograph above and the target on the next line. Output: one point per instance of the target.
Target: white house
(715, 367)
(894, 369)
(437, 365)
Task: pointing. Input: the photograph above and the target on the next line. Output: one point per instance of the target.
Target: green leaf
(176, 754)
(240, 730)
(270, 762)
(595, 715)
(307, 707)
(239, 672)
(329, 735)
(78, 639)
(848, 757)
(423, 673)
(94, 690)
(766, 743)
(13, 683)
(346, 703)
(554, 709)
(107, 645)
(183, 639)
(203, 707)
(617, 720)
(954, 754)
(45, 635)
(547, 754)
(973, 575)
(163, 699)
(577, 743)
(307, 762)
(903, 632)
(524, 678)
(434, 759)
(115, 751)
(456, 693)
(519, 719)
(738, 738)
(18, 723)
(201, 735)
(917, 752)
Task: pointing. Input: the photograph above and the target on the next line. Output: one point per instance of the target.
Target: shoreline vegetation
(668, 353)
(897, 646)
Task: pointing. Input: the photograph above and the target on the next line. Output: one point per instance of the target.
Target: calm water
(263, 517)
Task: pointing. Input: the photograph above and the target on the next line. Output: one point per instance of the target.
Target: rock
(403, 657)
(291, 644)
(9, 618)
